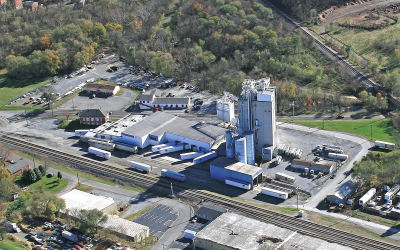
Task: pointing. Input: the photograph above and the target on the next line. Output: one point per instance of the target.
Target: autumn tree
(90, 220)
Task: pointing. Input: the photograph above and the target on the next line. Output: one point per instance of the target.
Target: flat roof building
(223, 168)
(233, 231)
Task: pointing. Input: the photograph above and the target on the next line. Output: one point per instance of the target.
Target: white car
(388, 204)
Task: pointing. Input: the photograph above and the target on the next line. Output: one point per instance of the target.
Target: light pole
(371, 133)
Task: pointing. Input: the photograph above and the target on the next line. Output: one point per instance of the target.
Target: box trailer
(69, 236)
(392, 191)
(285, 177)
(103, 144)
(158, 147)
(126, 147)
(80, 132)
(335, 156)
(173, 175)
(205, 157)
(333, 150)
(274, 193)
(383, 144)
(191, 155)
(99, 152)
(171, 149)
(366, 197)
(141, 166)
(238, 183)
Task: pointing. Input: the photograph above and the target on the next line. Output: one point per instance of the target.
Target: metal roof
(100, 87)
(17, 166)
(161, 122)
(242, 233)
(146, 98)
(125, 227)
(92, 113)
(240, 167)
(76, 199)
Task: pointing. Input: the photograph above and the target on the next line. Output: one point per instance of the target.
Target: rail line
(360, 75)
(281, 220)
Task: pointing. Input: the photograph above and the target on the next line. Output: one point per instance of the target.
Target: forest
(214, 44)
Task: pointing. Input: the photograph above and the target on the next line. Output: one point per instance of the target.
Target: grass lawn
(84, 188)
(381, 129)
(50, 184)
(133, 217)
(11, 88)
(8, 244)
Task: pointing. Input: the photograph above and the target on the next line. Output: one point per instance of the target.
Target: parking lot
(195, 225)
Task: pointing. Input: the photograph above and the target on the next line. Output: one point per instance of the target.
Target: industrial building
(326, 168)
(342, 192)
(224, 168)
(256, 133)
(77, 200)
(158, 128)
(101, 89)
(233, 231)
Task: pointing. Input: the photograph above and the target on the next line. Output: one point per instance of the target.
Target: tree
(32, 176)
(91, 220)
(25, 176)
(42, 170)
(59, 175)
(49, 95)
(5, 154)
(7, 185)
(67, 114)
(363, 95)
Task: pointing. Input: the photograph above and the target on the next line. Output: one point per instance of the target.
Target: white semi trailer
(99, 152)
(384, 144)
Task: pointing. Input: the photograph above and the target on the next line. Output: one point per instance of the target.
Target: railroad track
(360, 75)
(281, 220)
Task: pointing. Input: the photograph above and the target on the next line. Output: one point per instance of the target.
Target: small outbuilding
(210, 212)
(342, 192)
(326, 168)
(224, 168)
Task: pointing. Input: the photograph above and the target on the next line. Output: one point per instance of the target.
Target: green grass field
(7, 244)
(51, 184)
(11, 88)
(381, 129)
(362, 41)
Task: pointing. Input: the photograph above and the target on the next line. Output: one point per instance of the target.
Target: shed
(302, 164)
(210, 212)
(223, 168)
(342, 192)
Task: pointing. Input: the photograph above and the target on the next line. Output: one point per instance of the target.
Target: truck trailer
(335, 156)
(99, 152)
(383, 144)
(274, 193)
(141, 166)
(173, 175)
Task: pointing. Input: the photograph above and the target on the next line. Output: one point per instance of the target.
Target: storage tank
(274, 193)
(240, 150)
(250, 154)
(230, 147)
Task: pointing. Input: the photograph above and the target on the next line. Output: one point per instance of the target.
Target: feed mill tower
(256, 134)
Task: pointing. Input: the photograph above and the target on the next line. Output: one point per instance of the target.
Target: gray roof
(161, 122)
(242, 233)
(325, 166)
(146, 98)
(211, 211)
(92, 113)
(240, 167)
(171, 100)
(17, 166)
(342, 191)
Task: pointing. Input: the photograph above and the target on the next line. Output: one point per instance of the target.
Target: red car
(340, 116)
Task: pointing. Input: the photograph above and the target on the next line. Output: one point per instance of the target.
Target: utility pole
(323, 123)
(77, 175)
(172, 190)
(293, 109)
(26, 118)
(297, 194)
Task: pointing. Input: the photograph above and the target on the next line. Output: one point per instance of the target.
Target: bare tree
(5, 154)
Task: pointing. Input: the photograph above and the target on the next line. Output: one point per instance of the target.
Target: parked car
(340, 117)
(379, 198)
(32, 234)
(388, 204)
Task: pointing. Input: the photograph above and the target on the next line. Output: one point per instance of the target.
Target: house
(17, 167)
(31, 5)
(146, 101)
(93, 117)
(101, 89)
(14, 4)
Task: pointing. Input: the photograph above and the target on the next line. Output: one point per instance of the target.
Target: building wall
(223, 173)
(208, 245)
(110, 209)
(93, 120)
(146, 105)
(170, 105)
(20, 171)
(206, 147)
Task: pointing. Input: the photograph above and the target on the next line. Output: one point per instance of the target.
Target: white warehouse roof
(242, 233)
(77, 199)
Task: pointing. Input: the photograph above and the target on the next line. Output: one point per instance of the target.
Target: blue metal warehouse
(223, 168)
